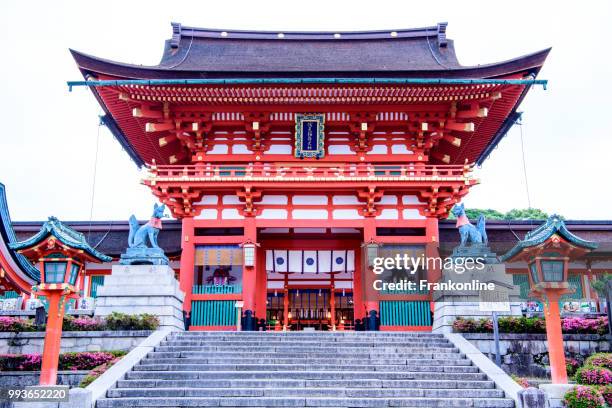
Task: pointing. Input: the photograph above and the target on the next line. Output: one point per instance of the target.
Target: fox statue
(145, 236)
(475, 234)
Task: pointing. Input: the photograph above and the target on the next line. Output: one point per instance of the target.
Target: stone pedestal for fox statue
(142, 241)
(485, 267)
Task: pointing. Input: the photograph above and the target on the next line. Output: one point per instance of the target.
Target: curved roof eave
(21, 265)
(90, 64)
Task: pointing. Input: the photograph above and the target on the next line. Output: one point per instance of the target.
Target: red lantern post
(548, 250)
(61, 253)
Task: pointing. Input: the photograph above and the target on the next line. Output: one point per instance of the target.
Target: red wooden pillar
(369, 234)
(358, 309)
(261, 287)
(187, 261)
(556, 351)
(249, 274)
(432, 250)
(53, 339)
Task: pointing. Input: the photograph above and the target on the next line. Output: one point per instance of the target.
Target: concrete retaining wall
(527, 354)
(32, 342)
(13, 379)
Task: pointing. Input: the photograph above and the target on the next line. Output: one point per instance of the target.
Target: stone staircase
(312, 369)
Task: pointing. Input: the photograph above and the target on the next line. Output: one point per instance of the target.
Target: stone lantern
(548, 250)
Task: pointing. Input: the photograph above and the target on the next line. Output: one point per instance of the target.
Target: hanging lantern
(371, 251)
(248, 249)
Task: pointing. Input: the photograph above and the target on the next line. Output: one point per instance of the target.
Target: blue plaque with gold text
(309, 135)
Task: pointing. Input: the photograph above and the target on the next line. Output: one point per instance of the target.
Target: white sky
(48, 136)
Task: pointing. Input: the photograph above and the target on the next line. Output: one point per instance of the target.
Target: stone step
(310, 375)
(311, 343)
(287, 383)
(304, 392)
(317, 334)
(424, 353)
(289, 349)
(303, 402)
(308, 361)
(305, 367)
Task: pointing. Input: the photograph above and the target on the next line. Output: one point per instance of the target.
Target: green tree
(600, 285)
(514, 214)
(525, 214)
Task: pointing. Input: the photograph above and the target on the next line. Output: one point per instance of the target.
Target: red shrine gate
(246, 142)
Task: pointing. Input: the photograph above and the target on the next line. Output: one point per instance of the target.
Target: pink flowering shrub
(606, 393)
(570, 325)
(116, 321)
(67, 361)
(587, 326)
(600, 360)
(584, 397)
(83, 323)
(15, 324)
(593, 376)
(97, 372)
(571, 365)
(521, 381)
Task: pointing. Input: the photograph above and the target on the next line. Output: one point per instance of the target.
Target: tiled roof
(65, 235)
(553, 225)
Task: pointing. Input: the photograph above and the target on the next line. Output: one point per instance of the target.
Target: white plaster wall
(339, 149)
(412, 214)
(231, 199)
(348, 214)
(378, 149)
(388, 214)
(274, 199)
(279, 149)
(309, 214)
(219, 149)
(208, 200)
(207, 214)
(240, 149)
(273, 214)
(400, 149)
(345, 200)
(388, 200)
(231, 214)
(309, 200)
(410, 199)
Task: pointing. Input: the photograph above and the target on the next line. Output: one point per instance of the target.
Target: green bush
(121, 321)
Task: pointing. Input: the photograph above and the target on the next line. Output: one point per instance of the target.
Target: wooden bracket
(257, 124)
(248, 196)
(370, 196)
(362, 124)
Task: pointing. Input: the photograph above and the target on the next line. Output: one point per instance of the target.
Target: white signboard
(496, 300)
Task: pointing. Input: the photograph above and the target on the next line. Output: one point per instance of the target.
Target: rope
(432, 52)
(184, 56)
(93, 184)
(524, 166)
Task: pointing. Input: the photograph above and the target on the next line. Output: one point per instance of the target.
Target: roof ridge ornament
(176, 35)
(442, 41)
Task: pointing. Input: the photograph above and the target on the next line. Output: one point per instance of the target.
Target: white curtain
(296, 261)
